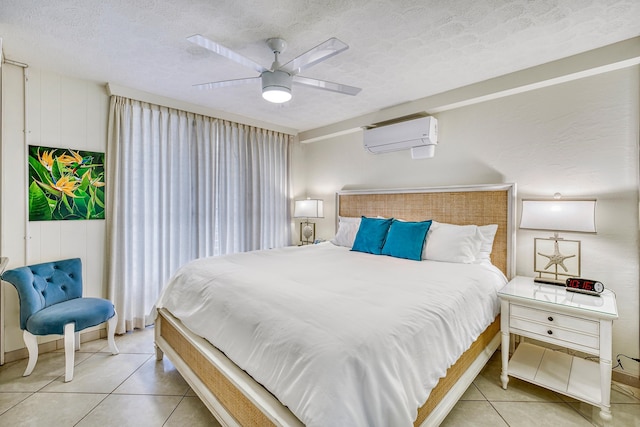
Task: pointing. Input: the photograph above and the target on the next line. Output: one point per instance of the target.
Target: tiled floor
(485, 403)
(132, 389)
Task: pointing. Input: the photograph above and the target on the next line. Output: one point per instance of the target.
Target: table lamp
(308, 208)
(556, 259)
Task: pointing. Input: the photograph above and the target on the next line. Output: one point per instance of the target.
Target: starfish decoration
(556, 258)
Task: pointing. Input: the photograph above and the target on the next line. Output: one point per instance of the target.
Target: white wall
(578, 138)
(62, 112)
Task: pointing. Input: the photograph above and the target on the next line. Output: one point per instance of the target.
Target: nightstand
(550, 314)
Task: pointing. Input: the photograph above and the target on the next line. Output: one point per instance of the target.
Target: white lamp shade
(309, 208)
(559, 215)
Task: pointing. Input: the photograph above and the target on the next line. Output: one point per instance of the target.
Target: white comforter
(341, 338)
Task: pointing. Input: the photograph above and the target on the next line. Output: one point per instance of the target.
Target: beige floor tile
(138, 341)
(9, 400)
(191, 393)
(11, 378)
(94, 346)
(49, 367)
(50, 409)
(193, 413)
(155, 377)
(101, 373)
(535, 414)
(473, 413)
(624, 399)
(489, 384)
(472, 393)
(131, 410)
(622, 393)
(624, 414)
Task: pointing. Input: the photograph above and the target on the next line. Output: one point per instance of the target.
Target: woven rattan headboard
(476, 204)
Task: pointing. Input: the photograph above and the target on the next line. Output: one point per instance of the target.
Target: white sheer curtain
(251, 188)
(183, 186)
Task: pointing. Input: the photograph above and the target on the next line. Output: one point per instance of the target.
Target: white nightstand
(550, 314)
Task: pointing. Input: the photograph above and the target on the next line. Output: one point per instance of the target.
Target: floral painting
(65, 184)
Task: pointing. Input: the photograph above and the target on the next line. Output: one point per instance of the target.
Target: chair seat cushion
(84, 312)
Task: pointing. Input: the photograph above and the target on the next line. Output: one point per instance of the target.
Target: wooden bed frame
(235, 399)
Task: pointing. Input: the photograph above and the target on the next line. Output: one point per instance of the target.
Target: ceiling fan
(276, 80)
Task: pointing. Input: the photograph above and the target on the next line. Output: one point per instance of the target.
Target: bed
(236, 398)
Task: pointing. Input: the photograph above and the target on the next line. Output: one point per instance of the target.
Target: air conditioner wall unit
(405, 135)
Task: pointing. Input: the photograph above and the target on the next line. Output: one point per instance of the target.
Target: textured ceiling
(400, 50)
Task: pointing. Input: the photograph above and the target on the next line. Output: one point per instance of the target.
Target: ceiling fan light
(276, 86)
(276, 95)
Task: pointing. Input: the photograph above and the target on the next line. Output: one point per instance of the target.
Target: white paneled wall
(13, 194)
(62, 112)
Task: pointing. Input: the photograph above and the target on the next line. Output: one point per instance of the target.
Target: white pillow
(488, 233)
(452, 243)
(347, 230)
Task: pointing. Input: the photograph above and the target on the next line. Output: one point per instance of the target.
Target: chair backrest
(42, 285)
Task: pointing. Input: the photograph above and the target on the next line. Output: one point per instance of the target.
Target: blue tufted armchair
(51, 302)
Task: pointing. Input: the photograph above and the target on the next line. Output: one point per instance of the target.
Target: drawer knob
(550, 319)
(550, 332)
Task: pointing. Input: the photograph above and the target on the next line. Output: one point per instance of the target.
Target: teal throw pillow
(371, 235)
(406, 239)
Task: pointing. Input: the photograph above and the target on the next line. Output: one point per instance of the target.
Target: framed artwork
(556, 259)
(65, 184)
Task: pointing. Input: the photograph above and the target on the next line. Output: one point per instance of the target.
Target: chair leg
(111, 330)
(69, 351)
(77, 337)
(31, 341)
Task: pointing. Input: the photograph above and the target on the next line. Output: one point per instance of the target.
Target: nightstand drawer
(553, 334)
(577, 324)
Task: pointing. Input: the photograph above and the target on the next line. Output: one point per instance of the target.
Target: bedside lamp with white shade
(556, 259)
(308, 208)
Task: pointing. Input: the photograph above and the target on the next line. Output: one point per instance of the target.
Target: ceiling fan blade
(226, 52)
(325, 85)
(323, 51)
(227, 83)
